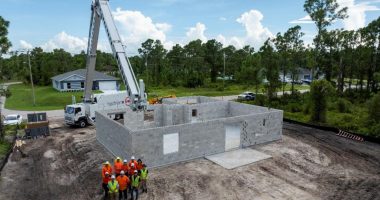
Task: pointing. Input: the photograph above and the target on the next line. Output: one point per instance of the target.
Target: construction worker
(132, 169)
(113, 187)
(106, 168)
(135, 184)
(139, 165)
(118, 165)
(123, 185)
(125, 167)
(132, 161)
(105, 181)
(144, 177)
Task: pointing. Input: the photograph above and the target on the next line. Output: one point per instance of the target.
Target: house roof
(304, 71)
(98, 76)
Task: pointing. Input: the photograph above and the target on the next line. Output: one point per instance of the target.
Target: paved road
(234, 97)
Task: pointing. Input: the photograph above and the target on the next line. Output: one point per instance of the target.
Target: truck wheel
(117, 117)
(82, 123)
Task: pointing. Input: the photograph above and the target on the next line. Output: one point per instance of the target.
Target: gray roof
(82, 72)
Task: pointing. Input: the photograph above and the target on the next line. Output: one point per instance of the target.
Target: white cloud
(256, 33)
(356, 13)
(135, 28)
(68, 42)
(222, 19)
(197, 32)
(25, 45)
(220, 38)
(303, 20)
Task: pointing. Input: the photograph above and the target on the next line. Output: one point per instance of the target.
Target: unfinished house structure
(187, 128)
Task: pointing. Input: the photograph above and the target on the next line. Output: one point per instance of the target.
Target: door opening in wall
(233, 133)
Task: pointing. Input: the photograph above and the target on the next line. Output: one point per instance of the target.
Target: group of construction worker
(125, 176)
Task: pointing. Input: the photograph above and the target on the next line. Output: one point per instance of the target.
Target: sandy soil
(306, 164)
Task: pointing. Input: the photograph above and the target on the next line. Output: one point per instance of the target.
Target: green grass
(204, 91)
(4, 147)
(355, 121)
(47, 98)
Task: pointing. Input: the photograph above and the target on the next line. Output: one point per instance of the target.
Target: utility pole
(224, 68)
(31, 78)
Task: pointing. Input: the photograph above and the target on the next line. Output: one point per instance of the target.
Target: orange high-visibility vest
(118, 167)
(123, 182)
(106, 169)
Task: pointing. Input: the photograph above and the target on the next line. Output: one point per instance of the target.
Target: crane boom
(101, 12)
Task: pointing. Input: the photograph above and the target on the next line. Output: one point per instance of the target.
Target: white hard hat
(132, 158)
(113, 176)
(125, 161)
(107, 173)
(122, 172)
(135, 171)
(107, 163)
(133, 164)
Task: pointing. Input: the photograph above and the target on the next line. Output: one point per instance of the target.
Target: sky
(65, 24)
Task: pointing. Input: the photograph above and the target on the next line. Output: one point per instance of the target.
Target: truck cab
(75, 115)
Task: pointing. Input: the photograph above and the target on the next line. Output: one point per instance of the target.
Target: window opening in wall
(81, 84)
(171, 143)
(68, 85)
(194, 113)
(149, 116)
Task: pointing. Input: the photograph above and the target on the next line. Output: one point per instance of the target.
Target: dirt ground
(306, 164)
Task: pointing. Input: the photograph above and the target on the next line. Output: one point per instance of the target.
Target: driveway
(5, 112)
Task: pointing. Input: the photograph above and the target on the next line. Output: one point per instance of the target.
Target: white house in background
(75, 80)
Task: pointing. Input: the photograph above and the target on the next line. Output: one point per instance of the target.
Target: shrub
(319, 92)
(8, 93)
(294, 107)
(374, 108)
(374, 130)
(220, 88)
(306, 108)
(260, 100)
(343, 105)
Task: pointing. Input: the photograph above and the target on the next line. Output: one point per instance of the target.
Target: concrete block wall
(237, 109)
(134, 120)
(114, 136)
(210, 110)
(158, 116)
(195, 140)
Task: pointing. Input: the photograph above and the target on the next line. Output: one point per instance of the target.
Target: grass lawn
(47, 98)
(229, 90)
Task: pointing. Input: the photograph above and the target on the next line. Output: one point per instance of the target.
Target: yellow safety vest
(135, 181)
(144, 174)
(112, 185)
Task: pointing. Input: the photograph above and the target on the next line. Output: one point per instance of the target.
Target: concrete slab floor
(237, 158)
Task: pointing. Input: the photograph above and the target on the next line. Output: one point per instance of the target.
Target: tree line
(336, 54)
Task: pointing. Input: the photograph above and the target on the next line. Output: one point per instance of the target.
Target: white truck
(83, 113)
(75, 114)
